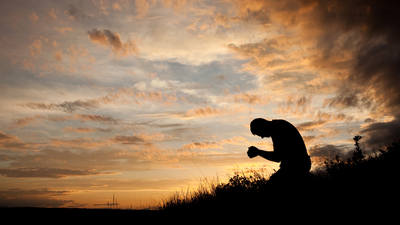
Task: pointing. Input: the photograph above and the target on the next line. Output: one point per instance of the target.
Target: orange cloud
(52, 14)
(103, 6)
(58, 55)
(75, 53)
(237, 140)
(111, 98)
(296, 105)
(33, 17)
(35, 48)
(139, 139)
(84, 129)
(109, 39)
(65, 106)
(178, 5)
(9, 141)
(251, 99)
(21, 122)
(201, 145)
(88, 143)
(142, 7)
(116, 6)
(25, 121)
(307, 126)
(206, 112)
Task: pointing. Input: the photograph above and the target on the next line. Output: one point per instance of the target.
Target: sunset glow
(143, 98)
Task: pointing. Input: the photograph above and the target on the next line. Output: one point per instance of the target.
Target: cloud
(128, 139)
(116, 6)
(94, 118)
(139, 139)
(72, 106)
(58, 55)
(380, 133)
(9, 141)
(273, 58)
(79, 143)
(103, 6)
(120, 97)
(237, 140)
(321, 153)
(75, 53)
(307, 126)
(354, 45)
(295, 105)
(201, 145)
(21, 122)
(78, 14)
(109, 39)
(64, 30)
(369, 32)
(251, 99)
(36, 198)
(35, 48)
(85, 129)
(40, 172)
(142, 8)
(52, 14)
(178, 5)
(206, 112)
(33, 17)
(67, 106)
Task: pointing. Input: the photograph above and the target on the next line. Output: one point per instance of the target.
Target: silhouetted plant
(358, 154)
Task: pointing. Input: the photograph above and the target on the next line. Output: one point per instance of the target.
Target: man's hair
(257, 125)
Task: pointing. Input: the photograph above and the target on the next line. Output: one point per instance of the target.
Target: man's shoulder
(280, 121)
(283, 124)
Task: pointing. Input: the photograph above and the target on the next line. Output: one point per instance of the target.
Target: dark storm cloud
(326, 151)
(367, 32)
(370, 29)
(380, 134)
(322, 153)
(373, 82)
(358, 40)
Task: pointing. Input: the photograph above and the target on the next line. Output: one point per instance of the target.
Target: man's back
(287, 141)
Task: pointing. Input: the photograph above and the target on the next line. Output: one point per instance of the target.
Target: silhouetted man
(289, 147)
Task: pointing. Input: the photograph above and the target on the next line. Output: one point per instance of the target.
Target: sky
(144, 98)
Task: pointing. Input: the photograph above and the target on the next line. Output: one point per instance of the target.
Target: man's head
(260, 127)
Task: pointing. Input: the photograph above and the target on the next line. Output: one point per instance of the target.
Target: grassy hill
(363, 185)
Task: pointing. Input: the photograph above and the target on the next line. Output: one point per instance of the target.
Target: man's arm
(268, 155)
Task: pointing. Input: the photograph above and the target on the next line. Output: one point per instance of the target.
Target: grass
(364, 183)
